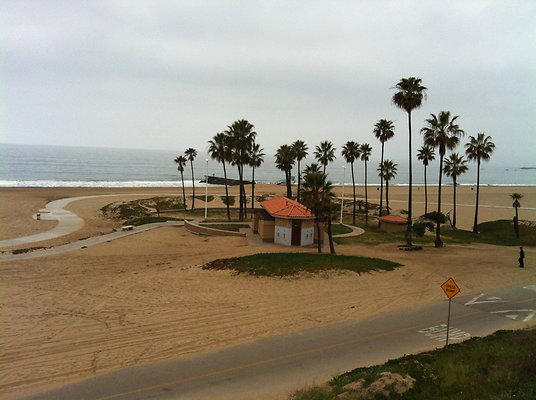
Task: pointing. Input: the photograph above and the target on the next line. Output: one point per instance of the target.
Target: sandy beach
(145, 298)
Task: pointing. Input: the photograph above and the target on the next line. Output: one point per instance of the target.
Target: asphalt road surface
(284, 363)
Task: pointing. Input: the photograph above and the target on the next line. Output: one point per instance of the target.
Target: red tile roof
(393, 219)
(286, 208)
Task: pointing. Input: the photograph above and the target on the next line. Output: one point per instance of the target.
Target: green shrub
(420, 228)
(202, 198)
(435, 216)
(231, 200)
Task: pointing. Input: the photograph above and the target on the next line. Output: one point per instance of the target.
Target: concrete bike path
(68, 221)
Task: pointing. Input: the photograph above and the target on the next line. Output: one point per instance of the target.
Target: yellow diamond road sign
(450, 288)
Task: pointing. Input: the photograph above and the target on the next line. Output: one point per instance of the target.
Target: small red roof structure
(393, 219)
(281, 207)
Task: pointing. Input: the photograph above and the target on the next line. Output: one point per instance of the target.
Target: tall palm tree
(455, 165)
(313, 167)
(255, 161)
(241, 138)
(317, 195)
(387, 170)
(426, 154)
(284, 160)
(181, 164)
(350, 151)
(441, 132)
(191, 154)
(383, 130)
(365, 151)
(479, 148)
(325, 153)
(219, 151)
(516, 204)
(299, 148)
(410, 95)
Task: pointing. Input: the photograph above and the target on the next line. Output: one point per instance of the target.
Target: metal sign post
(451, 289)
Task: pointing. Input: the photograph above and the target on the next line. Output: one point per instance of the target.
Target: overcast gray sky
(171, 74)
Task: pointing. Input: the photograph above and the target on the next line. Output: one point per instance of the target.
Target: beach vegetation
(373, 236)
(387, 171)
(284, 160)
(351, 152)
(226, 227)
(442, 132)
(437, 217)
(325, 153)
(28, 249)
(255, 161)
(317, 195)
(409, 96)
(338, 229)
(500, 233)
(426, 154)
(181, 164)
(499, 366)
(228, 201)
(383, 130)
(191, 154)
(455, 165)
(218, 149)
(365, 152)
(299, 150)
(149, 220)
(292, 264)
(209, 198)
(261, 198)
(516, 204)
(479, 149)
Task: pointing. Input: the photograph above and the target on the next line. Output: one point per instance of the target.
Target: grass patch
(500, 232)
(338, 229)
(291, 264)
(27, 249)
(149, 220)
(226, 227)
(231, 200)
(374, 236)
(500, 366)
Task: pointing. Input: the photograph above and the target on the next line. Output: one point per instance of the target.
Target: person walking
(521, 258)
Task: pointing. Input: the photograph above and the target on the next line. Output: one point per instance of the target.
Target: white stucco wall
(283, 235)
(307, 236)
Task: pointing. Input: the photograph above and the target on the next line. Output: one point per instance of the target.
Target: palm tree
(365, 151)
(409, 97)
(317, 195)
(181, 164)
(387, 170)
(284, 160)
(350, 151)
(441, 132)
(426, 154)
(479, 148)
(299, 148)
(241, 136)
(516, 204)
(455, 165)
(191, 154)
(313, 167)
(383, 130)
(219, 151)
(325, 153)
(255, 161)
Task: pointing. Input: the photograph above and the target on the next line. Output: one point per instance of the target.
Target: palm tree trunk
(454, 217)
(299, 181)
(183, 192)
(353, 186)
(289, 187)
(410, 194)
(241, 198)
(319, 234)
(226, 192)
(475, 229)
(366, 196)
(253, 190)
(387, 196)
(516, 224)
(438, 242)
(381, 183)
(193, 184)
(425, 192)
(324, 171)
(331, 246)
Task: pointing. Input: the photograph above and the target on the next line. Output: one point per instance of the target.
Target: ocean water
(62, 166)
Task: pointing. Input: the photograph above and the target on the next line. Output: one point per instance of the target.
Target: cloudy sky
(171, 74)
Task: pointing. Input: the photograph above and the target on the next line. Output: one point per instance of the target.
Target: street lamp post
(342, 197)
(206, 191)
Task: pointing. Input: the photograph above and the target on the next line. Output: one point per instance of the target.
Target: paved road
(284, 363)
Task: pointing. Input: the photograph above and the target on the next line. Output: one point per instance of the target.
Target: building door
(296, 232)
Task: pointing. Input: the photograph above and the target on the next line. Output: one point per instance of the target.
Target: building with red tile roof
(282, 207)
(392, 223)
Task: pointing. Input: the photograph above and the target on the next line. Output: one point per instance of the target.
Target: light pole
(206, 191)
(342, 197)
